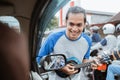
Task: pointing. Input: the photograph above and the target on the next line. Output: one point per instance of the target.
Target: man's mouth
(74, 33)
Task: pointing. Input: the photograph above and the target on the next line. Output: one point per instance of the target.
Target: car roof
(20, 9)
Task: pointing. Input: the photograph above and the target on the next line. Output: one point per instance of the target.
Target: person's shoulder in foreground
(14, 61)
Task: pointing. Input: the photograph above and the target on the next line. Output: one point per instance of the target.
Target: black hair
(95, 31)
(76, 9)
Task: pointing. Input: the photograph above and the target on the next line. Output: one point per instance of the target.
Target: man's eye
(79, 24)
(71, 24)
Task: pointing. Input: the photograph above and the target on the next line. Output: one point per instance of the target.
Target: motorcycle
(55, 62)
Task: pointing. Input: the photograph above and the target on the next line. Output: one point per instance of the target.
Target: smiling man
(71, 42)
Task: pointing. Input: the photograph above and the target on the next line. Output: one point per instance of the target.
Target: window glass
(11, 21)
(48, 16)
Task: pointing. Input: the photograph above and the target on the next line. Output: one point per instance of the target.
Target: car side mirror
(53, 62)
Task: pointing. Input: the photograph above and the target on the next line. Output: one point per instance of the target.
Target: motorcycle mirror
(54, 62)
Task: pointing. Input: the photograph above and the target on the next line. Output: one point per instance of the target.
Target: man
(96, 37)
(71, 42)
(114, 68)
(108, 43)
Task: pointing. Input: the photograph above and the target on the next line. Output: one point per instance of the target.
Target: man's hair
(75, 10)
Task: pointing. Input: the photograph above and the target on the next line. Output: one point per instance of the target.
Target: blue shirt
(96, 37)
(59, 43)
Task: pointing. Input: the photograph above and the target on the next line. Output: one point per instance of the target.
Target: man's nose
(74, 27)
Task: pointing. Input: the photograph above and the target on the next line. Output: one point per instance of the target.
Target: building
(93, 17)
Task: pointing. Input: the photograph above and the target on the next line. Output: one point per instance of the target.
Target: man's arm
(93, 65)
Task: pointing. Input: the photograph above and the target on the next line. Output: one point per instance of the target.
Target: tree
(53, 23)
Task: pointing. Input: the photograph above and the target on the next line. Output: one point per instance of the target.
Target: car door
(42, 14)
(33, 17)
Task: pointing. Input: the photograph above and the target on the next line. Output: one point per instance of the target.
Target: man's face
(75, 25)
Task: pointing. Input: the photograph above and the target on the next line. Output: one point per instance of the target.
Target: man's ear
(84, 27)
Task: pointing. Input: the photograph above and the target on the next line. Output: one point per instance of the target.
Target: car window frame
(37, 28)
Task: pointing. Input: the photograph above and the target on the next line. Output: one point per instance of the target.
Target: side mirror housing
(53, 62)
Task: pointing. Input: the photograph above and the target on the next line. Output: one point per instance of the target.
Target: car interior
(33, 17)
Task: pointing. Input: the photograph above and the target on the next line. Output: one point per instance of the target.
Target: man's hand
(94, 66)
(96, 63)
(69, 69)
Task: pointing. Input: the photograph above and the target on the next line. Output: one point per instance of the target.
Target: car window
(11, 21)
(47, 16)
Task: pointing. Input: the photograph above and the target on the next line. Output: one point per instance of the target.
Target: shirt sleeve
(46, 48)
(87, 55)
(103, 42)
